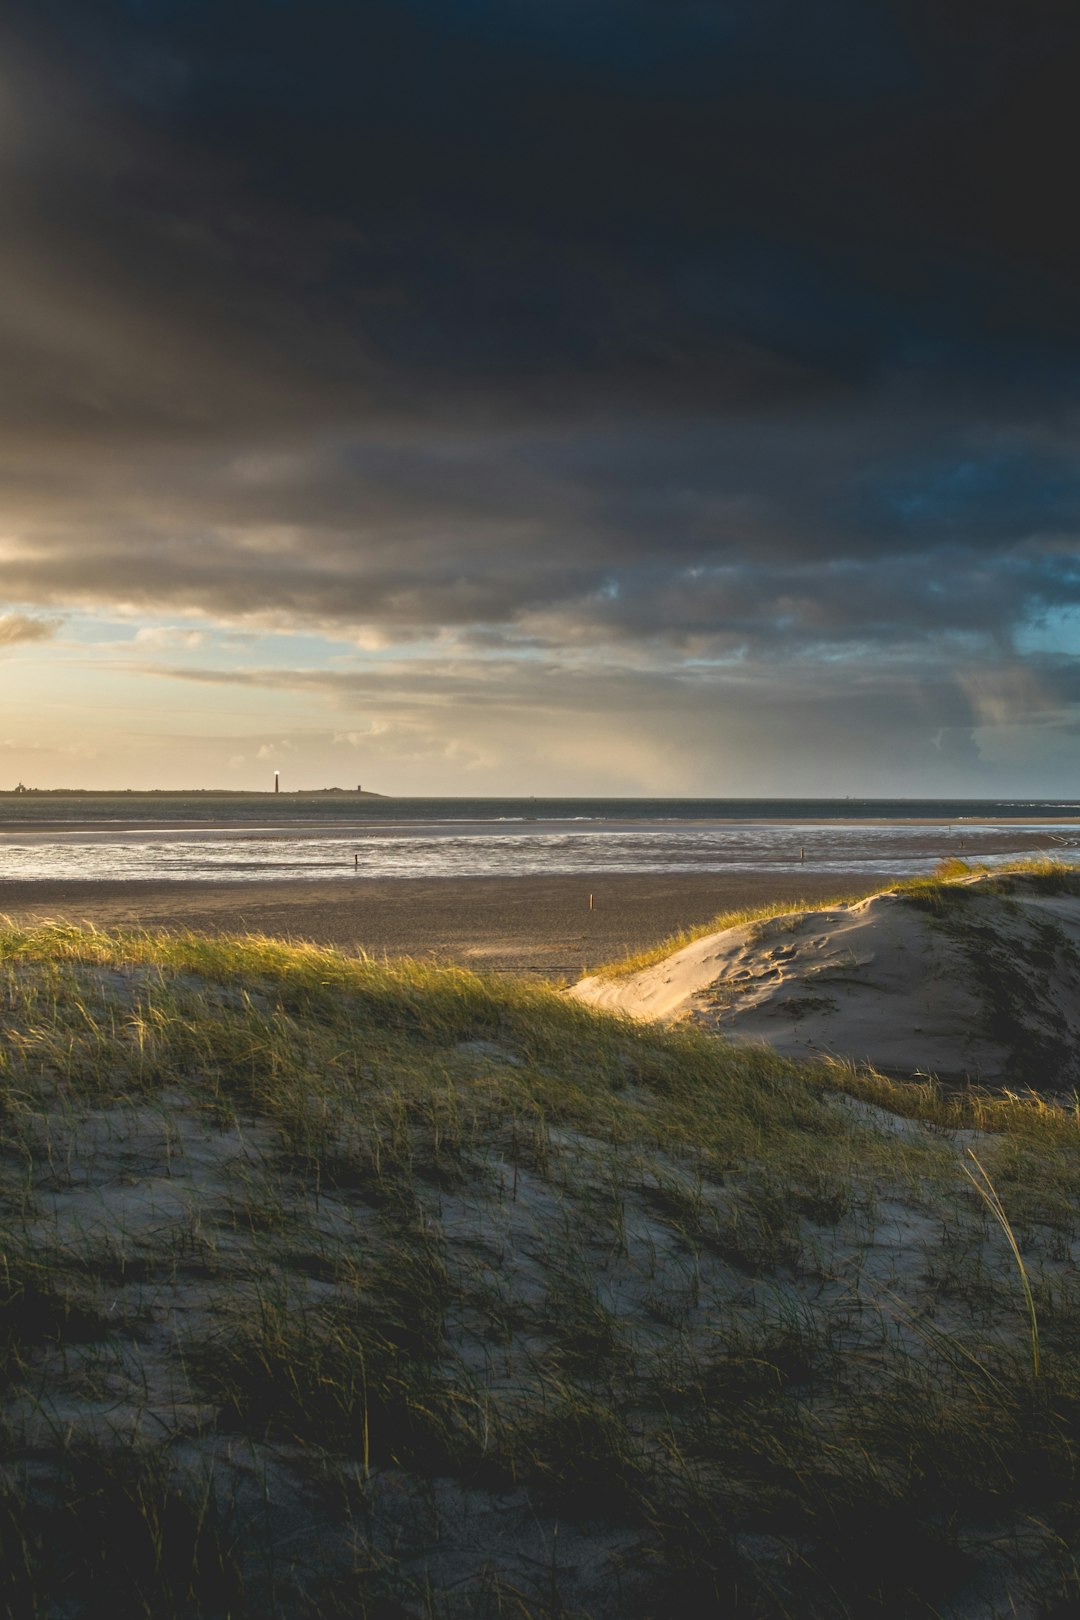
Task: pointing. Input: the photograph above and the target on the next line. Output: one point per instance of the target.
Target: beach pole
(802, 855)
(356, 863)
(590, 902)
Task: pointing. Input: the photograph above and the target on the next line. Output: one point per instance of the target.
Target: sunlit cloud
(16, 627)
(168, 635)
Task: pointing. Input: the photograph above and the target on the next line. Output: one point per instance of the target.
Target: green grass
(338, 1287)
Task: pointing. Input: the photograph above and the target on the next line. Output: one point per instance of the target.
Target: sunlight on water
(504, 849)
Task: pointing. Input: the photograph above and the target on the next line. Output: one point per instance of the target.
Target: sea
(239, 838)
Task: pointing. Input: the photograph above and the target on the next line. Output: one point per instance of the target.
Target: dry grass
(335, 1287)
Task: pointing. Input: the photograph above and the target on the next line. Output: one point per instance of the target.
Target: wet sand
(535, 925)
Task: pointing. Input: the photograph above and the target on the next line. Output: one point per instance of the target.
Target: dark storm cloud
(733, 328)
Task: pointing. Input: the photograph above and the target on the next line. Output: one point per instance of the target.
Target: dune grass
(337, 1287)
(945, 876)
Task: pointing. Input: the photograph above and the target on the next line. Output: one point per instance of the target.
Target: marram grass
(946, 874)
(331, 1286)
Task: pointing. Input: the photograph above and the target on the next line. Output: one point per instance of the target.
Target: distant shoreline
(858, 805)
(190, 793)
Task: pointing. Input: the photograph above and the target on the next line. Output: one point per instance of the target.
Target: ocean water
(259, 837)
(338, 807)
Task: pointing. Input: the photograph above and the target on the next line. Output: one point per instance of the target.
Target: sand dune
(973, 979)
(338, 1287)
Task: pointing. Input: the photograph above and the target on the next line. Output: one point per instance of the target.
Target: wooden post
(590, 902)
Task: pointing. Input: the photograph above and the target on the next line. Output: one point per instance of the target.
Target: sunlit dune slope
(974, 977)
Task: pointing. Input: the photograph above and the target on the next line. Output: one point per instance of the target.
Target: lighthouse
(277, 781)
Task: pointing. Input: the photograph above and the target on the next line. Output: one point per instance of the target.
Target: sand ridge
(984, 988)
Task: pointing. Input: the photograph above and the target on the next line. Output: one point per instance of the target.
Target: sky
(529, 396)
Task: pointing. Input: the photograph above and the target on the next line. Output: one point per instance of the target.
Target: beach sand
(536, 925)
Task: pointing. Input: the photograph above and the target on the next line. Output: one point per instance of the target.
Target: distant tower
(358, 787)
(277, 781)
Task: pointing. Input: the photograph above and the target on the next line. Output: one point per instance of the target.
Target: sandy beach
(539, 925)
